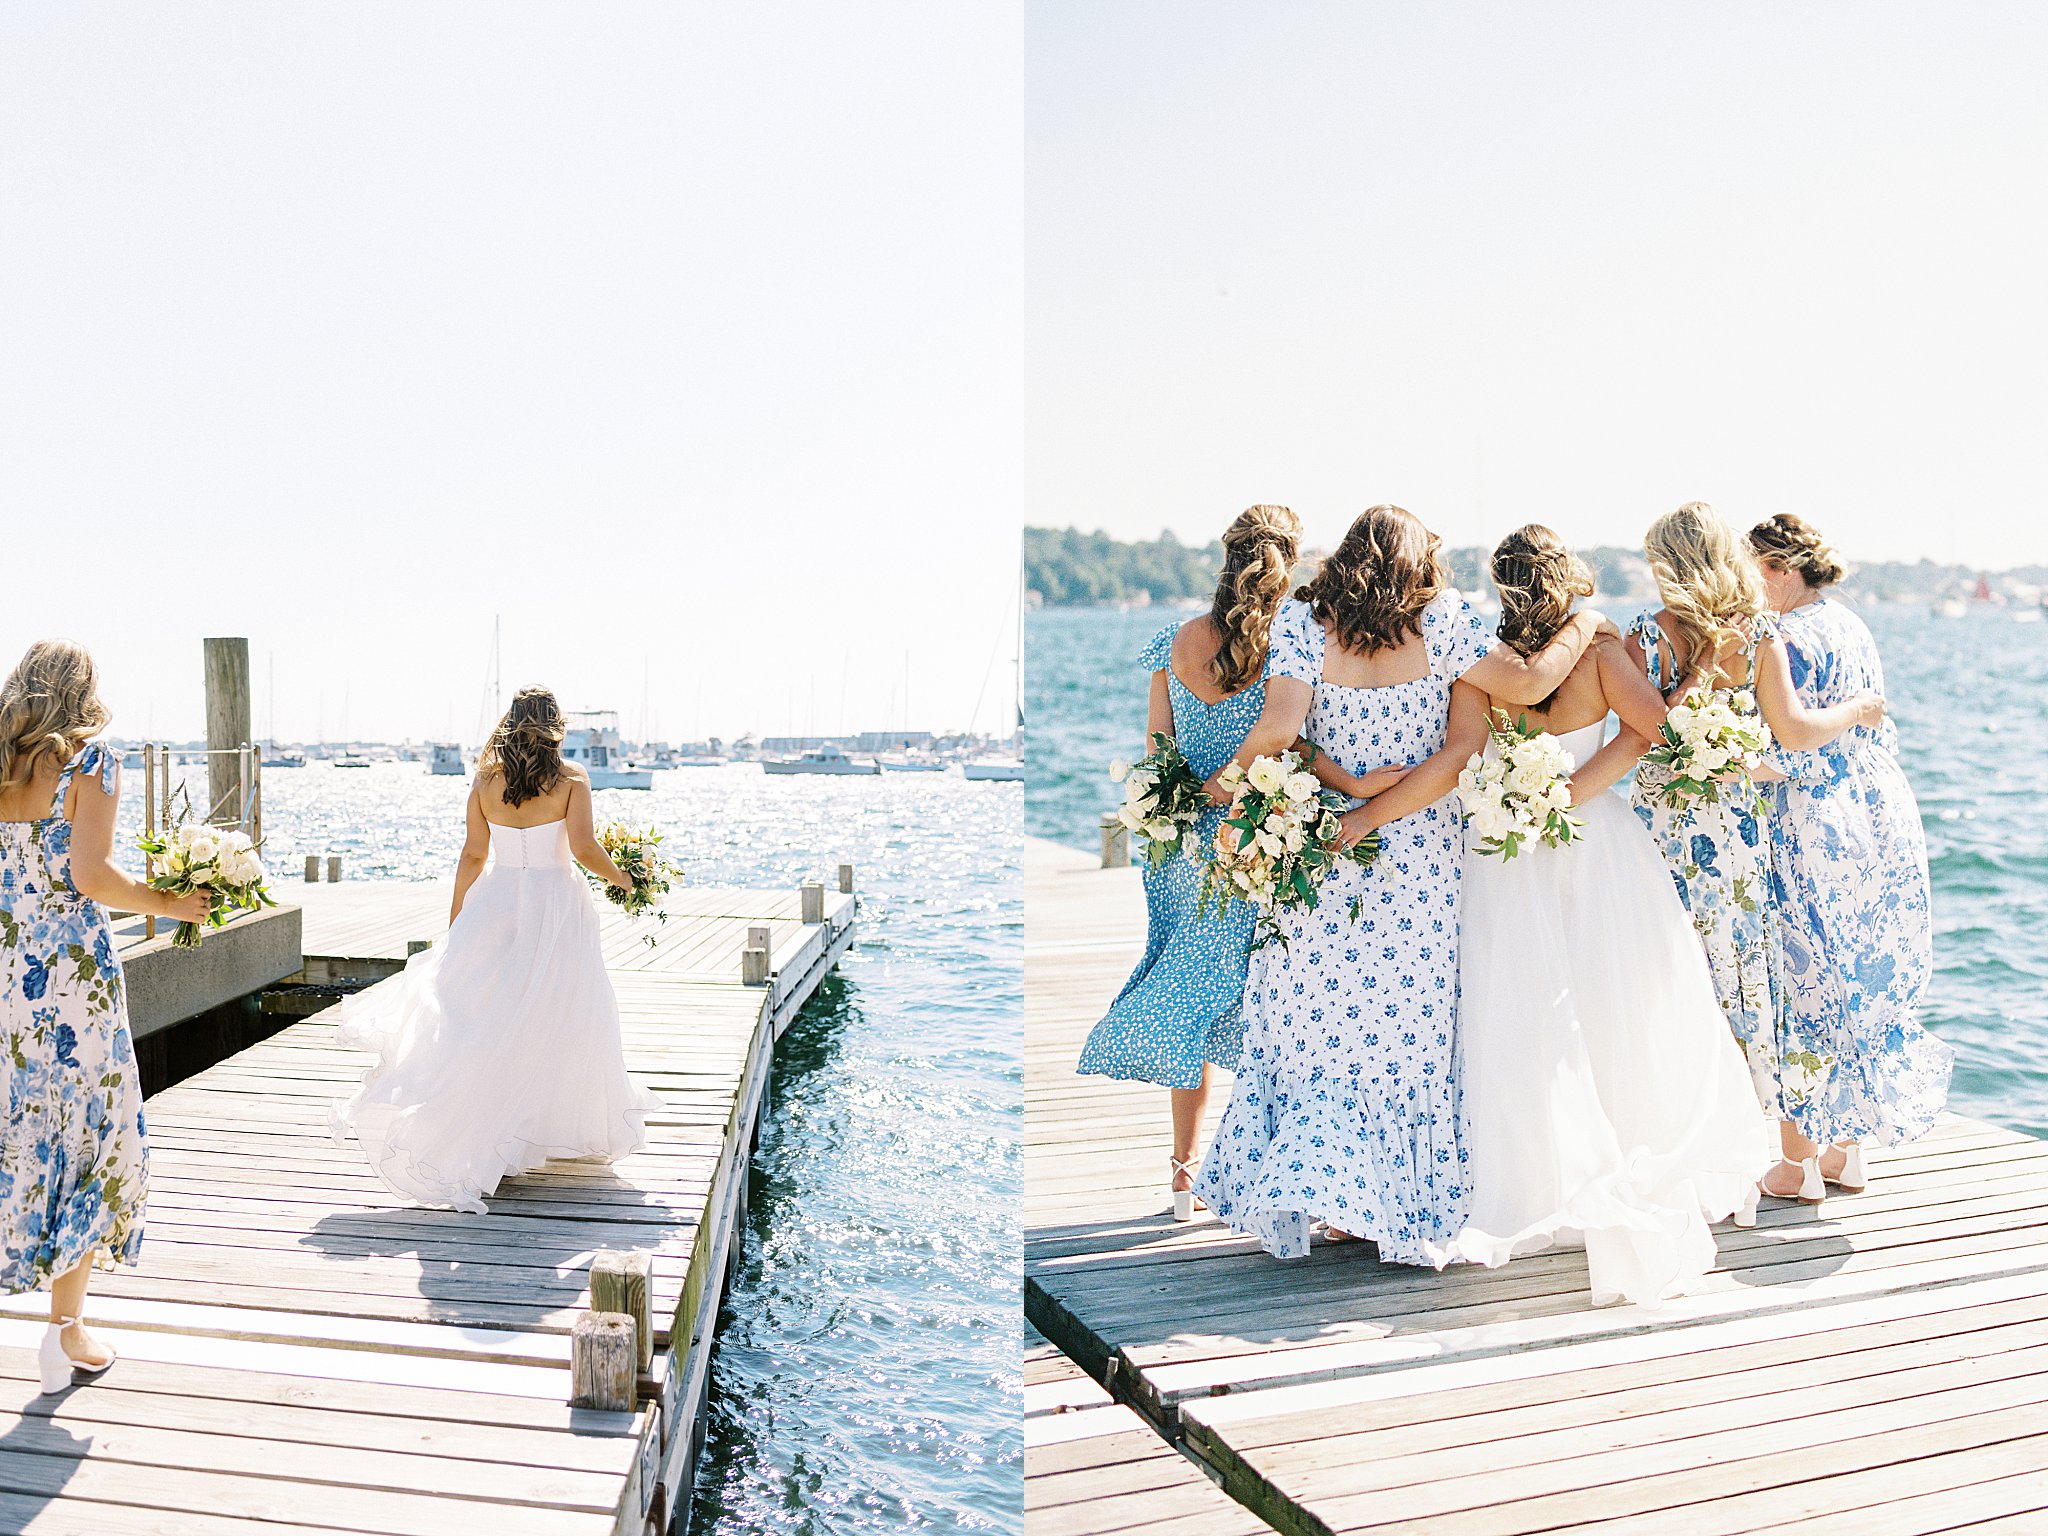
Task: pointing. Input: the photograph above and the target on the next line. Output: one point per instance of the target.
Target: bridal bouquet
(1521, 794)
(1279, 840)
(1710, 731)
(640, 861)
(189, 856)
(1162, 798)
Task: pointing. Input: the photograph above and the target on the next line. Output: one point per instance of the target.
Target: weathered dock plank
(302, 1349)
(1881, 1365)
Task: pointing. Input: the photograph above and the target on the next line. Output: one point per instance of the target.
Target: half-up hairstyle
(1538, 579)
(1791, 543)
(1374, 585)
(49, 708)
(1705, 575)
(526, 748)
(1259, 551)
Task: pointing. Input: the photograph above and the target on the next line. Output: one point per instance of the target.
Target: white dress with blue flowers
(1850, 908)
(1720, 861)
(1346, 1104)
(74, 1167)
(1180, 1007)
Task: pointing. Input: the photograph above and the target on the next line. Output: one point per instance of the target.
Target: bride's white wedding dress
(498, 1048)
(1608, 1102)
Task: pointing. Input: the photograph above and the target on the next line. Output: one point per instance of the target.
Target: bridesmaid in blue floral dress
(1708, 633)
(1346, 1103)
(73, 1166)
(1849, 894)
(1178, 1014)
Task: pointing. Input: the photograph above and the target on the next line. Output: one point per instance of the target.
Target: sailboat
(271, 757)
(1006, 769)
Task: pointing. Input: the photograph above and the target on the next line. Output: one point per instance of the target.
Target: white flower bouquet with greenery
(1521, 792)
(1279, 841)
(224, 862)
(1163, 798)
(1712, 737)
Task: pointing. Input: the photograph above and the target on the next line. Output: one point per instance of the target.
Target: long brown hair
(1375, 584)
(1538, 578)
(1791, 543)
(526, 748)
(49, 708)
(1259, 551)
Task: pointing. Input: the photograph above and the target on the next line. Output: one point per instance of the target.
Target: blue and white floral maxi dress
(1346, 1104)
(1180, 1006)
(1849, 909)
(74, 1164)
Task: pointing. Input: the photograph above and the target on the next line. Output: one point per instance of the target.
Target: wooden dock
(303, 1351)
(1880, 1366)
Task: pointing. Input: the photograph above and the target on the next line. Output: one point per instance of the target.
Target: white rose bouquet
(191, 856)
(1709, 732)
(1279, 840)
(1162, 798)
(1522, 793)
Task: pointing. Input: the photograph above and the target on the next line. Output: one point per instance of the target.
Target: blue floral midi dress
(1346, 1104)
(74, 1165)
(1720, 860)
(1849, 908)
(1181, 1006)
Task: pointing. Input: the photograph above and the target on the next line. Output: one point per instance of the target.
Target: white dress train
(1608, 1102)
(498, 1048)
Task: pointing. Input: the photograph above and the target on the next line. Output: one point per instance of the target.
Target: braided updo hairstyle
(1259, 551)
(1705, 575)
(526, 747)
(1376, 582)
(1791, 543)
(1538, 578)
(49, 708)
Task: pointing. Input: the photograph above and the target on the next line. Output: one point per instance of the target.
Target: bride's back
(551, 804)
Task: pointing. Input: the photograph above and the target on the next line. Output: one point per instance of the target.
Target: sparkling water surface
(867, 1375)
(1970, 695)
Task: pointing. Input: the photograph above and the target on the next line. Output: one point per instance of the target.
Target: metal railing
(239, 807)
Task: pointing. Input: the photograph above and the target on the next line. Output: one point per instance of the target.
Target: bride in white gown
(1608, 1102)
(499, 1048)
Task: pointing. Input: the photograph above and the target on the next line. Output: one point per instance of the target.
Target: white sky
(1577, 263)
(687, 338)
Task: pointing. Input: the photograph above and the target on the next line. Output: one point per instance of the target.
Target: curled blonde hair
(49, 708)
(1538, 578)
(526, 747)
(1376, 582)
(1705, 575)
(1792, 543)
(1259, 551)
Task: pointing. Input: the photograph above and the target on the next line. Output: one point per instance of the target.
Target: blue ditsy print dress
(1720, 860)
(1346, 1105)
(1180, 1007)
(74, 1168)
(1850, 908)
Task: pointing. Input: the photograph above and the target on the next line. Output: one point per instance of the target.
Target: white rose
(1161, 830)
(1295, 838)
(1267, 776)
(1117, 769)
(203, 848)
(1303, 787)
(1128, 815)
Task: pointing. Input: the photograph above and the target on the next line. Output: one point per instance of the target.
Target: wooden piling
(1116, 842)
(619, 1283)
(227, 726)
(846, 879)
(604, 1367)
(754, 958)
(312, 869)
(813, 893)
(333, 867)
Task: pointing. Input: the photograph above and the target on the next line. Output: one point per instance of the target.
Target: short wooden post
(333, 867)
(846, 879)
(619, 1283)
(312, 869)
(604, 1368)
(754, 958)
(1116, 842)
(813, 892)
